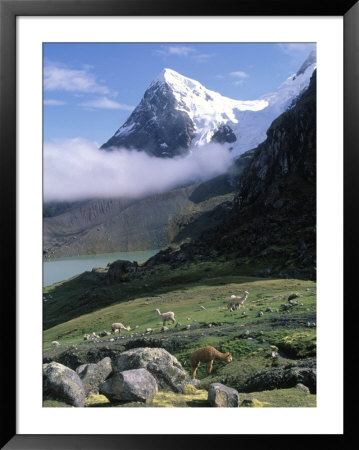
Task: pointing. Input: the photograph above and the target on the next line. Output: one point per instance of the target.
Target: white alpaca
(117, 327)
(55, 343)
(166, 316)
(236, 302)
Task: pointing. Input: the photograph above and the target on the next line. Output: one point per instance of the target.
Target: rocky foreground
(138, 370)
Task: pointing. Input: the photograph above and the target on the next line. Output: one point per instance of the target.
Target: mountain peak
(165, 74)
(174, 79)
(177, 112)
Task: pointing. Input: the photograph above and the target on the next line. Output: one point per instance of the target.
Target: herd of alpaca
(207, 354)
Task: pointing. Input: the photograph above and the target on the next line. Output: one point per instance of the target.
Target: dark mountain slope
(155, 125)
(270, 228)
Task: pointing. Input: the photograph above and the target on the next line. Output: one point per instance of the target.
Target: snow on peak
(165, 75)
(251, 128)
(207, 109)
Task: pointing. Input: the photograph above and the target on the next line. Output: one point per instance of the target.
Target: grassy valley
(251, 338)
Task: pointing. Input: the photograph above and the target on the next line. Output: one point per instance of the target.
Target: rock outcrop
(222, 396)
(62, 383)
(303, 372)
(92, 375)
(120, 270)
(136, 385)
(166, 369)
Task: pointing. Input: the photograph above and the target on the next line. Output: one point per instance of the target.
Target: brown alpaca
(207, 354)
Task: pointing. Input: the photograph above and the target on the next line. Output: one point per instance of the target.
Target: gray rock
(121, 271)
(284, 377)
(222, 396)
(293, 296)
(92, 375)
(62, 383)
(105, 333)
(303, 388)
(166, 369)
(130, 385)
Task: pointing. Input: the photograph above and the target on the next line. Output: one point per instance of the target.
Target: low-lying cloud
(76, 169)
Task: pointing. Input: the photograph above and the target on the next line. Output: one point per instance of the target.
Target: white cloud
(106, 103)
(239, 74)
(77, 169)
(179, 50)
(185, 51)
(61, 78)
(52, 102)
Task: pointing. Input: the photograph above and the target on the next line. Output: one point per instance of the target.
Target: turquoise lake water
(63, 268)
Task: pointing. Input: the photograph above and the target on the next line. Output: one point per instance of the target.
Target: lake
(63, 268)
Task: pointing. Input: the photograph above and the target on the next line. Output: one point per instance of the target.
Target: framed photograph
(175, 198)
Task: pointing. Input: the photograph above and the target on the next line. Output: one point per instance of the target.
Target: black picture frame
(9, 10)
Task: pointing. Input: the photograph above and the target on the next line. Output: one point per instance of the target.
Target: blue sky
(90, 89)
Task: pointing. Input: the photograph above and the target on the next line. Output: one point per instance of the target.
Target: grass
(282, 398)
(185, 300)
(295, 343)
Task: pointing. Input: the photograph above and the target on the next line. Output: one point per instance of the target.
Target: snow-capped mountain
(177, 112)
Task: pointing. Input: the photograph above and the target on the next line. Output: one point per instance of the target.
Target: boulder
(120, 271)
(289, 376)
(74, 357)
(222, 396)
(303, 388)
(166, 369)
(92, 375)
(130, 385)
(62, 383)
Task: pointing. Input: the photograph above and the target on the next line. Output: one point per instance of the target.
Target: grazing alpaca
(166, 316)
(117, 327)
(236, 302)
(207, 354)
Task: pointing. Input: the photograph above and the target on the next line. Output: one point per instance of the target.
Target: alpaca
(166, 316)
(236, 302)
(207, 354)
(117, 327)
